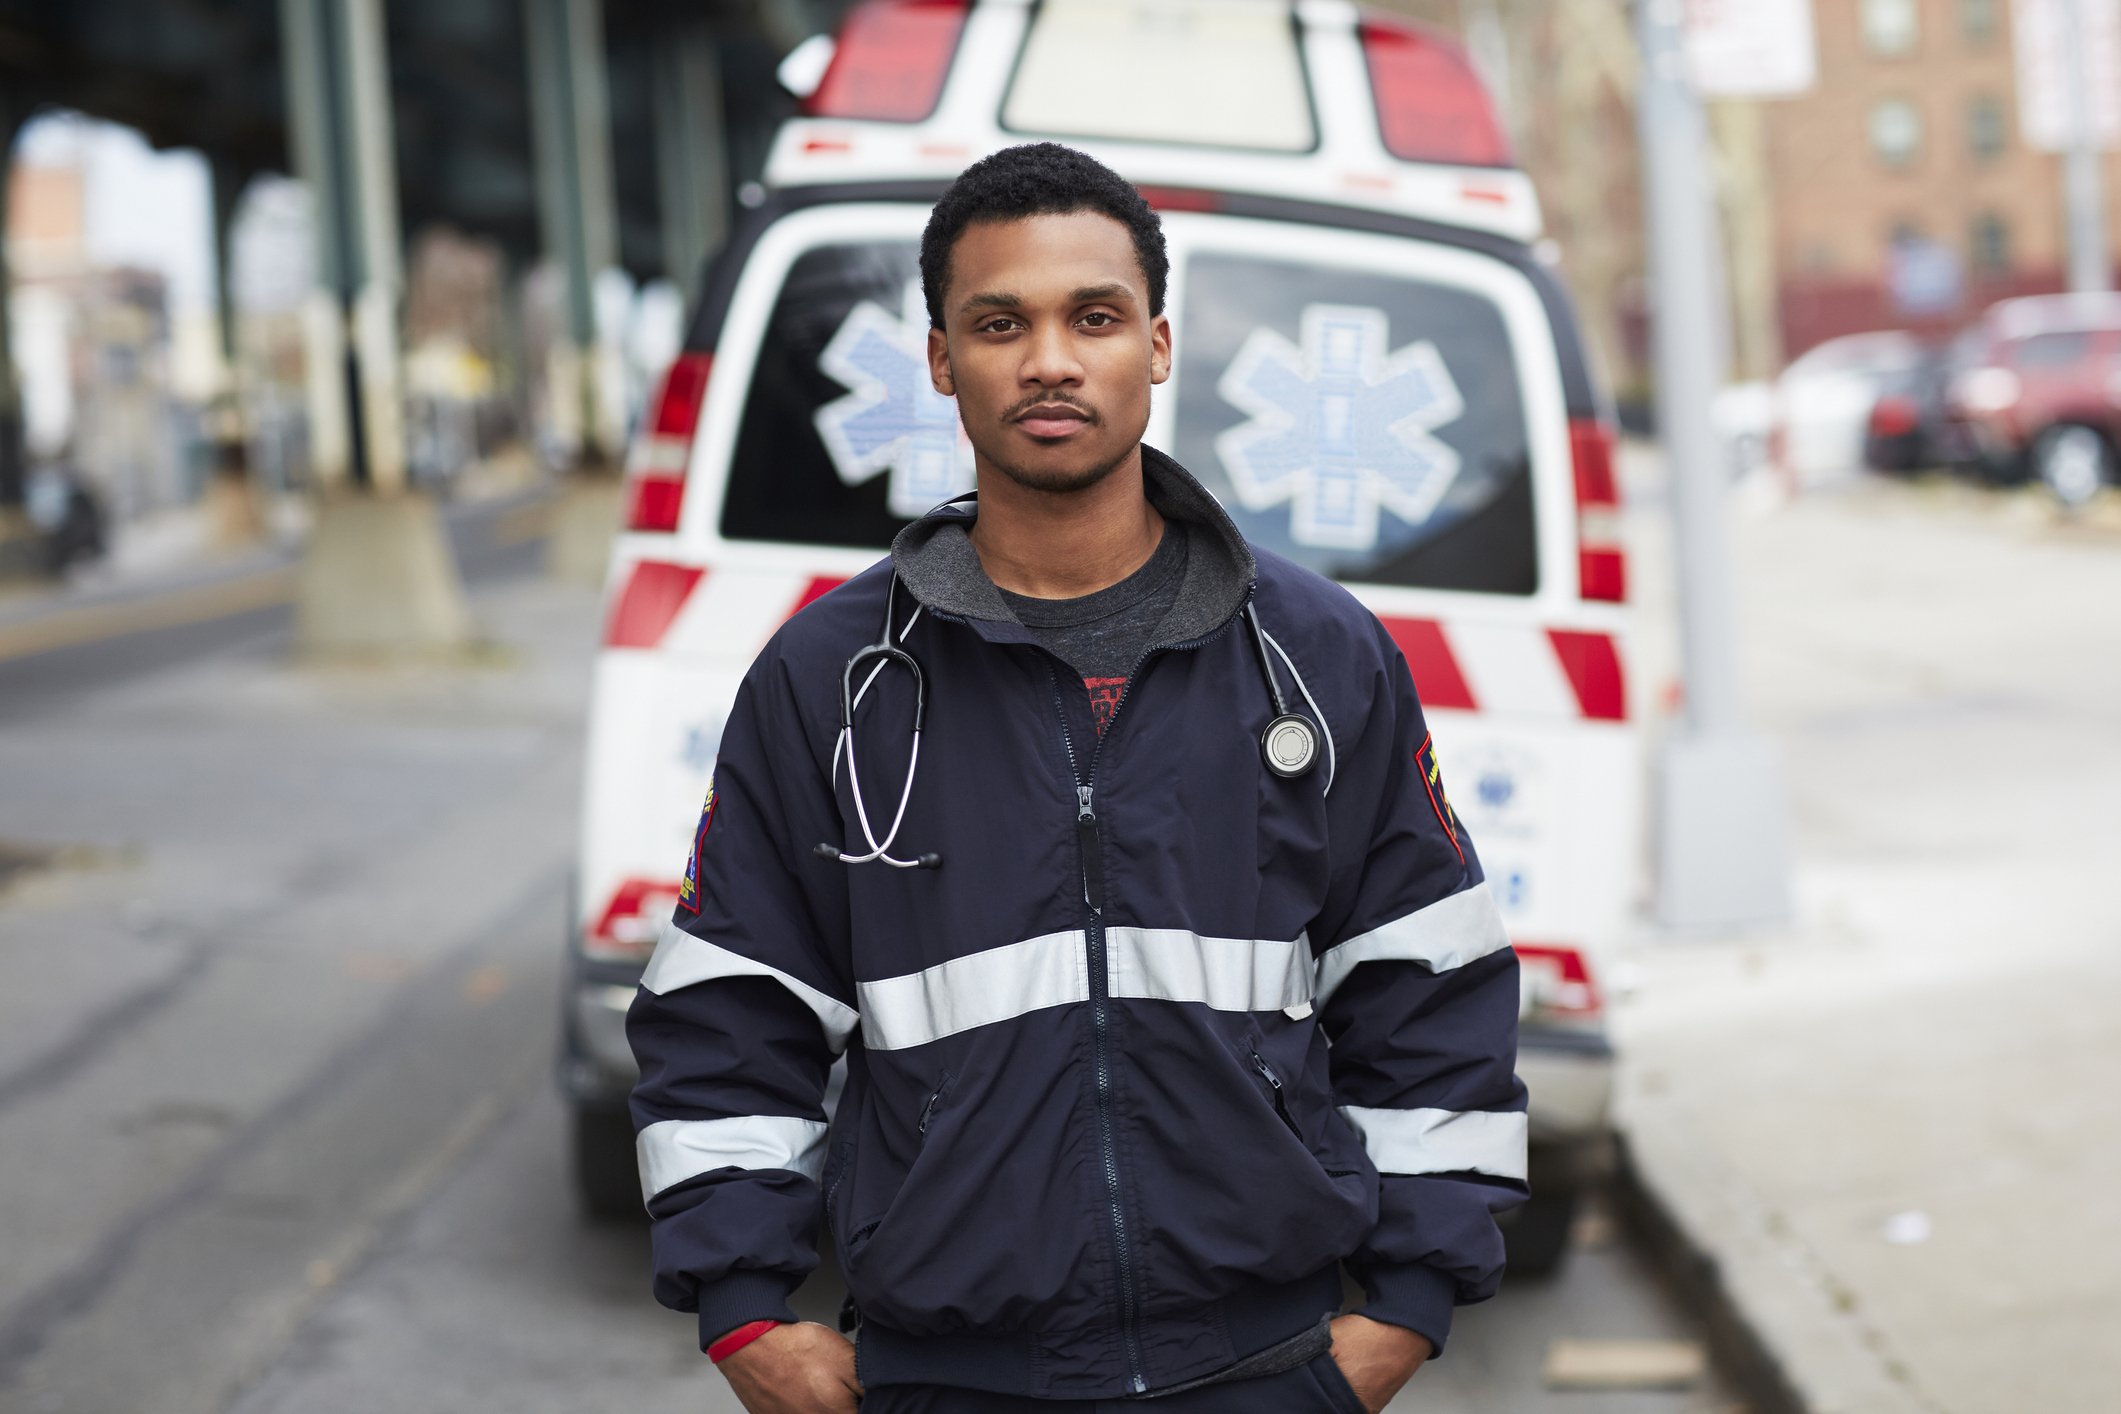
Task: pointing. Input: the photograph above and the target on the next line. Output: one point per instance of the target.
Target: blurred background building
(1905, 190)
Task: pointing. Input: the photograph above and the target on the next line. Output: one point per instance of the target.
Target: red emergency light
(663, 448)
(1601, 562)
(890, 61)
(1431, 106)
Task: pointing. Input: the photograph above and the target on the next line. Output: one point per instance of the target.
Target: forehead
(1046, 254)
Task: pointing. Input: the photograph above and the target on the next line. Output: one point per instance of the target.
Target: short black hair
(1038, 179)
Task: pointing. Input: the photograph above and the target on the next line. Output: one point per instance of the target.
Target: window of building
(1890, 27)
(1991, 244)
(1977, 20)
(1986, 131)
(1896, 131)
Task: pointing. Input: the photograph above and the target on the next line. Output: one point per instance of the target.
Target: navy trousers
(1316, 1388)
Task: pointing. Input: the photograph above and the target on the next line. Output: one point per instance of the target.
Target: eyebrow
(1093, 294)
(1086, 294)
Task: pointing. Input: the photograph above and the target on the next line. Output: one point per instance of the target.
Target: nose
(1049, 357)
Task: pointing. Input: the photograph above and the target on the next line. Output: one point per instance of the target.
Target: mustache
(1017, 413)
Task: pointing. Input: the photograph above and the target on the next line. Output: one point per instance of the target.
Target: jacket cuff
(1417, 1297)
(741, 1298)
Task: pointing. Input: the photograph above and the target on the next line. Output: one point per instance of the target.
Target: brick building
(1903, 193)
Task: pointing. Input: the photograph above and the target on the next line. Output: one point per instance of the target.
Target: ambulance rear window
(842, 439)
(1367, 425)
(1102, 69)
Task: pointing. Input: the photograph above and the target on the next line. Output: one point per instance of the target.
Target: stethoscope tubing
(884, 653)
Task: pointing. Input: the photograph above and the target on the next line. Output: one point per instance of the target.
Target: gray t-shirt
(1103, 635)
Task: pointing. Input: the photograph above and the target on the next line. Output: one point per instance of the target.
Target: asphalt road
(279, 959)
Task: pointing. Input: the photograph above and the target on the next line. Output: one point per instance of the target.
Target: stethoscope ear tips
(1290, 745)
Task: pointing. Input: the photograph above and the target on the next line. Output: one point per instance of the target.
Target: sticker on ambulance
(1339, 427)
(892, 419)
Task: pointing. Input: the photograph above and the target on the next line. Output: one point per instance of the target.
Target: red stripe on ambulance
(654, 594)
(1437, 676)
(1593, 664)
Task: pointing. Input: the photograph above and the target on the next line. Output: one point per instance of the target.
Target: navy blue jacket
(1163, 1042)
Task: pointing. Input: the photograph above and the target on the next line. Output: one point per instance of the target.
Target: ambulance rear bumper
(1569, 1075)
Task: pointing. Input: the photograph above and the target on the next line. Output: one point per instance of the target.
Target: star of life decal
(892, 419)
(1339, 427)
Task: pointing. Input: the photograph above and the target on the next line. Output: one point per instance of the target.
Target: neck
(1065, 544)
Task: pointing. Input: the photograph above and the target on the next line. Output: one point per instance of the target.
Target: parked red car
(2038, 392)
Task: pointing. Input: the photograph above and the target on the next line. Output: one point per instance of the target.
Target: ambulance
(1374, 372)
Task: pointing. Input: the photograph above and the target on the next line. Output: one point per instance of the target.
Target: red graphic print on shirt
(1104, 699)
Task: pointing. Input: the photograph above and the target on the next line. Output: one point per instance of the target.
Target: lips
(1053, 420)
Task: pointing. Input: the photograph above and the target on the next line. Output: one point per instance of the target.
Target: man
(1148, 1034)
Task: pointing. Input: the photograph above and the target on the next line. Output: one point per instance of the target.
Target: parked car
(1823, 402)
(2040, 395)
(67, 516)
(1340, 210)
(1909, 428)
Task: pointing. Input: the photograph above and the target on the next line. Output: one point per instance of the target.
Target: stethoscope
(1289, 745)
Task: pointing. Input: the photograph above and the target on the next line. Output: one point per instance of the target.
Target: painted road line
(94, 622)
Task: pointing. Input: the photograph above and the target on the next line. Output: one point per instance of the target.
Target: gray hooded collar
(934, 558)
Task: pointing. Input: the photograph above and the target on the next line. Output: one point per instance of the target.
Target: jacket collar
(934, 559)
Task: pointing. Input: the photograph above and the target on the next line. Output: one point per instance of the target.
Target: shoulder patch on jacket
(689, 886)
(1439, 799)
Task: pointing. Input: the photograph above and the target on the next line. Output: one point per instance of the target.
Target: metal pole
(577, 195)
(14, 452)
(2084, 179)
(1722, 855)
(692, 168)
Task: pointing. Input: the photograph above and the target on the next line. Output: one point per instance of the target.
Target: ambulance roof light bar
(1431, 105)
(889, 62)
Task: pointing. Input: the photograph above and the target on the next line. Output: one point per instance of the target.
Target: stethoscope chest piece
(1290, 745)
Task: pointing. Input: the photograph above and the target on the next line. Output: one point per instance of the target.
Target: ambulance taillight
(663, 450)
(1431, 106)
(890, 61)
(1556, 984)
(626, 928)
(1601, 562)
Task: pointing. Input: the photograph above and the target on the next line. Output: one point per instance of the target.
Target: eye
(1000, 324)
(1099, 319)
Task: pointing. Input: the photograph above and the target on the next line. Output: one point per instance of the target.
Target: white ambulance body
(1372, 372)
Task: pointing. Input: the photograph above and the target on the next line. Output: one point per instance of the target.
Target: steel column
(691, 152)
(2084, 179)
(338, 88)
(577, 199)
(1722, 856)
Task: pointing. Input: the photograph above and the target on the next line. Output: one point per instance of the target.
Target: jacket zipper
(928, 1110)
(1087, 837)
(1091, 841)
(1281, 1102)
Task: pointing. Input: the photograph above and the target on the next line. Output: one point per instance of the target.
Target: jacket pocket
(922, 1120)
(928, 1110)
(1275, 1089)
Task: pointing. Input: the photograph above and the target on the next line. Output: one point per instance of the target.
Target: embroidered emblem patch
(689, 886)
(1439, 799)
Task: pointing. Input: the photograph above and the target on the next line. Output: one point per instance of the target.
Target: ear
(1159, 348)
(939, 364)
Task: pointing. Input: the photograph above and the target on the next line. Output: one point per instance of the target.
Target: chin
(1058, 480)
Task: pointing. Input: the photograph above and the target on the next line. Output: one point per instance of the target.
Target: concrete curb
(1785, 1334)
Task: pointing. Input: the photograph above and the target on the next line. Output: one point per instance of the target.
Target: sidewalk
(1891, 1127)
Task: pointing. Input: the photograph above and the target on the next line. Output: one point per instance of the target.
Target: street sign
(1925, 279)
(1750, 48)
(2045, 52)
